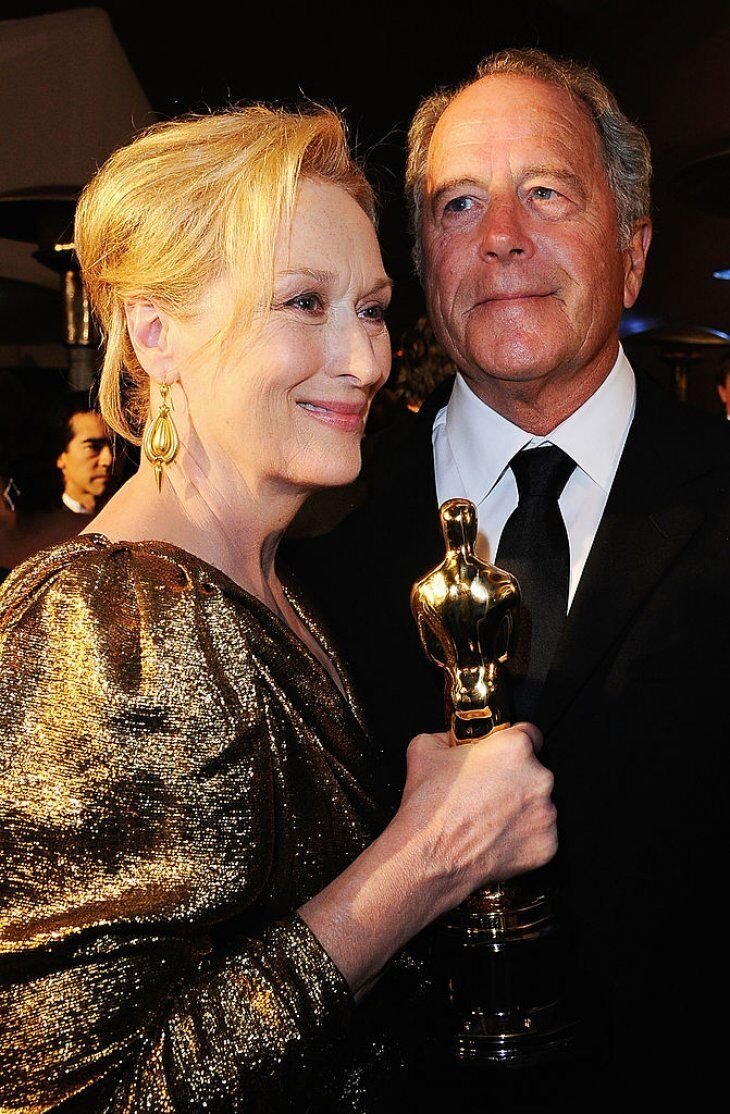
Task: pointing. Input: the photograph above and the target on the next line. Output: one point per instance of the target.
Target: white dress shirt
(473, 445)
(74, 505)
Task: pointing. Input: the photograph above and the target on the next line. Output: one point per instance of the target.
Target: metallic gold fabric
(177, 774)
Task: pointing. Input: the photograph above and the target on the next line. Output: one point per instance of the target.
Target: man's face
(523, 273)
(86, 462)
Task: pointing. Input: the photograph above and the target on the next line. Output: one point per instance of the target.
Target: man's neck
(83, 505)
(539, 405)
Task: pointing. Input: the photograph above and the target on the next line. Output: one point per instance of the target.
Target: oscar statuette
(496, 958)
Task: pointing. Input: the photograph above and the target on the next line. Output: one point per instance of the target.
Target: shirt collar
(482, 442)
(73, 505)
(594, 436)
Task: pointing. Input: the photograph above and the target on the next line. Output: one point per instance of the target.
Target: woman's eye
(309, 303)
(459, 205)
(376, 312)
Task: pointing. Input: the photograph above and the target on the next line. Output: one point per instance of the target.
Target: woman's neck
(233, 527)
(218, 517)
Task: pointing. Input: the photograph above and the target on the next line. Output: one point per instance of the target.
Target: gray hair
(625, 148)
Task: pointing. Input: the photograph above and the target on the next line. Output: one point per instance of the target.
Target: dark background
(668, 67)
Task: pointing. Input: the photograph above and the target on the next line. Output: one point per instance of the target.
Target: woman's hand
(484, 807)
(470, 814)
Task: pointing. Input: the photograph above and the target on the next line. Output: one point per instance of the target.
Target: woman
(195, 887)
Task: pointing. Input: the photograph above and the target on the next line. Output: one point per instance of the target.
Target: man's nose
(106, 457)
(504, 230)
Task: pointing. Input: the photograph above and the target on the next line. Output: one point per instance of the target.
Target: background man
(86, 461)
(531, 207)
(36, 511)
(723, 386)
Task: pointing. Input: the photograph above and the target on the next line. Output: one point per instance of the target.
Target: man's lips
(340, 415)
(515, 296)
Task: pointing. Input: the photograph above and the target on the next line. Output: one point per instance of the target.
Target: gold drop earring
(161, 441)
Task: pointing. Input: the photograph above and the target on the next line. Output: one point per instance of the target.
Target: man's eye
(459, 205)
(544, 193)
(310, 303)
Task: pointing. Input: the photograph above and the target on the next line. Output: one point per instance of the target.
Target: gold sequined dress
(177, 774)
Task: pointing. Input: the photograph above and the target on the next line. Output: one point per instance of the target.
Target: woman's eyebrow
(326, 278)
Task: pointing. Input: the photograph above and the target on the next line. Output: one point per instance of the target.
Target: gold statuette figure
(496, 958)
(466, 613)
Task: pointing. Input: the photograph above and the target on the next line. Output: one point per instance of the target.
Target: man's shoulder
(691, 443)
(662, 409)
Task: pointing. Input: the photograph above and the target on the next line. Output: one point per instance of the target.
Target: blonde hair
(624, 146)
(190, 201)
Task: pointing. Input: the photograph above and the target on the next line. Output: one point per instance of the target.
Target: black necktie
(534, 548)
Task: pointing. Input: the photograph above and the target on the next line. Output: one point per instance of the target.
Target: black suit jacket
(635, 713)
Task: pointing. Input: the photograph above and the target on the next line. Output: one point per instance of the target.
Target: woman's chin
(336, 473)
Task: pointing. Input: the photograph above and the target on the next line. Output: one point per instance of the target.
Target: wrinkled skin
(524, 274)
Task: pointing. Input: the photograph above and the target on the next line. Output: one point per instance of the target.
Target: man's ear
(635, 260)
(148, 325)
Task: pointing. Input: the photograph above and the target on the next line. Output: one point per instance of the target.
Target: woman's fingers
(487, 804)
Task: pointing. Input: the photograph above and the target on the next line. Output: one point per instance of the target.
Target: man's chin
(511, 367)
(515, 355)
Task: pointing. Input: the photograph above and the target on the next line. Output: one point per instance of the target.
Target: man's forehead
(514, 110)
(87, 424)
(504, 93)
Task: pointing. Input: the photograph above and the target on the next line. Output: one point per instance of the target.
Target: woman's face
(288, 401)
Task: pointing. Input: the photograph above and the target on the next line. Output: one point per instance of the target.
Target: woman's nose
(363, 355)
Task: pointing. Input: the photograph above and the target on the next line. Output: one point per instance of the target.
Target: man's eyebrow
(452, 184)
(96, 441)
(561, 173)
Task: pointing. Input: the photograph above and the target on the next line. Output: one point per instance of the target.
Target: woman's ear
(149, 330)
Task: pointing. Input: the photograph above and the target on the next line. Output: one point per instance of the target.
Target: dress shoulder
(95, 570)
(152, 956)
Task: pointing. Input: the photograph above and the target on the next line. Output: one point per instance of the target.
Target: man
(86, 460)
(723, 385)
(531, 209)
(73, 441)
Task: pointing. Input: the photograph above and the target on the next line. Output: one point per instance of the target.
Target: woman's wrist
(384, 898)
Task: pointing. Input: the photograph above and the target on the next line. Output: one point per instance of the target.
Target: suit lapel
(645, 526)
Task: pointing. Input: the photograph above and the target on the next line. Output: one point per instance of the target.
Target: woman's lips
(339, 415)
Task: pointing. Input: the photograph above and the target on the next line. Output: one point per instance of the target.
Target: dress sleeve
(135, 821)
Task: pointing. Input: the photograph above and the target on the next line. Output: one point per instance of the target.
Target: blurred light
(632, 323)
(723, 274)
